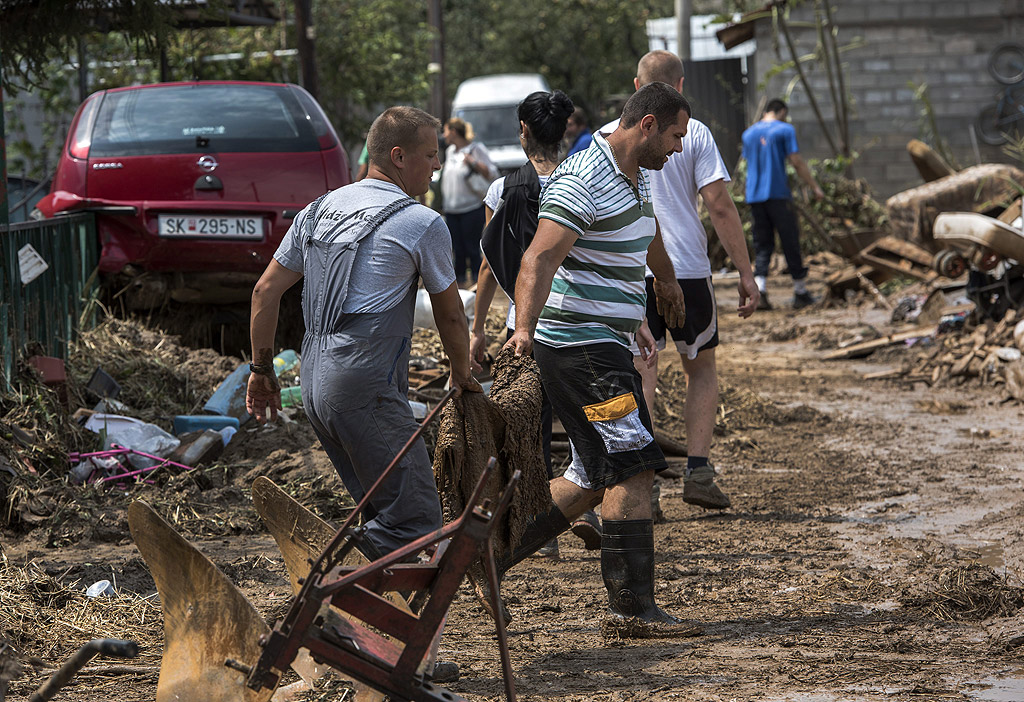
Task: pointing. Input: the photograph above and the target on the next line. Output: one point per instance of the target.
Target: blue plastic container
(198, 422)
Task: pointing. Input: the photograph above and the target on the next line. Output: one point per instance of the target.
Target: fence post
(5, 219)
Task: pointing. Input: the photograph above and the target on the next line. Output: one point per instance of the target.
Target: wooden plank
(866, 347)
(900, 257)
(890, 374)
(1011, 213)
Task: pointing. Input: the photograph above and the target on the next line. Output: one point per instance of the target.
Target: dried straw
(45, 619)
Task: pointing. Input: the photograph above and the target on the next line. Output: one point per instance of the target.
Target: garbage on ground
(197, 422)
(199, 448)
(986, 352)
(103, 385)
(54, 374)
(291, 397)
(424, 316)
(912, 212)
(134, 434)
(111, 406)
(100, 588)
(229, 397)
(285, 361)
(107, 466)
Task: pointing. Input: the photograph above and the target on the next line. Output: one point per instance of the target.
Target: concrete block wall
(894, 46)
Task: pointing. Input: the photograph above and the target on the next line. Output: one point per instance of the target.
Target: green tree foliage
(587, 48)
(34, 32)
(371, 54)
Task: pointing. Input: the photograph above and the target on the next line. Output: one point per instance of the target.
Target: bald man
(696, 170)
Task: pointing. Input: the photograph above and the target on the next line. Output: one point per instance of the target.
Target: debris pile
(39, 612)
(989, 353)
(971, 591)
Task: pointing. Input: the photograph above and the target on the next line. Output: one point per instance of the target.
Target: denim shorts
(598, 396)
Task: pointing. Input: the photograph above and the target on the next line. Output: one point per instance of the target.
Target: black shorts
(700, 330)
(598, 395)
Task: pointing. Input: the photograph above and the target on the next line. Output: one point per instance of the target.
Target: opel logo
(207, 163)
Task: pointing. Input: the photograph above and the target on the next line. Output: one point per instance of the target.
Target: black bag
(510, 231)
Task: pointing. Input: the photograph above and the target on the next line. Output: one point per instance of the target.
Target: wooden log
(929, 164)
(1011, 213)
(875, 292)
(885, 374)
(866, 347)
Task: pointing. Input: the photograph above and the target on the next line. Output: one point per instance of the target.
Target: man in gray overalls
(360, 251)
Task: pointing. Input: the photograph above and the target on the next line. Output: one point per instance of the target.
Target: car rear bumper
(128, 233)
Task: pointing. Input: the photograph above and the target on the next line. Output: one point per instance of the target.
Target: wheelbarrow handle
(115, 648)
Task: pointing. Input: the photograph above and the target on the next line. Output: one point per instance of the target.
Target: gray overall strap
(310, 223)
(371, 226)
(327, 268)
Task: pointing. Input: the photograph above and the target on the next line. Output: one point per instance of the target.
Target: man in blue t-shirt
(577, 133)
(767, 145)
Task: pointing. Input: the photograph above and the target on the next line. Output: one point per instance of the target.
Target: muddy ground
(873, 550)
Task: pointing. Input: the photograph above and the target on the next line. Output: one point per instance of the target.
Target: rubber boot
(542, 528)
(627, 566)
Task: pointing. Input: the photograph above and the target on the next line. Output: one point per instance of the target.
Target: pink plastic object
(121, 451)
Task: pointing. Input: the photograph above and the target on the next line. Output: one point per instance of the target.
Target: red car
(195, 184)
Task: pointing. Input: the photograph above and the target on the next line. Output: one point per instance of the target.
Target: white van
(489, 103)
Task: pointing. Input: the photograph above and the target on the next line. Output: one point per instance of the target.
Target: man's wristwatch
(262, 370)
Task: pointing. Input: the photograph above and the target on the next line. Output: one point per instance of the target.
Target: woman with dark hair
(516, 199)
(468, 170)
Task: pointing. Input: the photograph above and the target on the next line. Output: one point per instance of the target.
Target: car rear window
(177, 119)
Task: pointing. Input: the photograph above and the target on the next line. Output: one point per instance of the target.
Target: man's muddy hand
(521, 343)
(671, 305)
(464, 382)
(263, 397)
(477, 351)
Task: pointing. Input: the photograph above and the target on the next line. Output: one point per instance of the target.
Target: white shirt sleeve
(707, 161)
(494, 193)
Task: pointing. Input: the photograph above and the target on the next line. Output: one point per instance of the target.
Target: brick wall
(898, 45)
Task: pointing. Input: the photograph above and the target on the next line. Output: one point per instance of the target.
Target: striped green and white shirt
(598, 293)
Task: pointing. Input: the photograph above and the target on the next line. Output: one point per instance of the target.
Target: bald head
(659, 67)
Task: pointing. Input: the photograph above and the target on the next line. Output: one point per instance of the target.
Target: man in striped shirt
(581, 293)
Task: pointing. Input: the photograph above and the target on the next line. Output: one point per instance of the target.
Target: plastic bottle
(285, 361)
(197, 422)
(290, 397)
(204, 449)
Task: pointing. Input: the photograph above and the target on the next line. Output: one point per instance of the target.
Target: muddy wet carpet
(506, 425)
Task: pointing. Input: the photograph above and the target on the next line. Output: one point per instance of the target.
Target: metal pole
(306, 45)
(5, 218)
(684, 8)
(83, 71)
(438, 87)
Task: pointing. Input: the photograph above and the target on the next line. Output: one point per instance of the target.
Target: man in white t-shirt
(697, 169)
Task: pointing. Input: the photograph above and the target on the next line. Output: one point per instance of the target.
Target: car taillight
(81, 140)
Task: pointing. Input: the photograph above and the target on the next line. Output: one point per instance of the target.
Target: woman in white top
(542, 120)
(468, 170)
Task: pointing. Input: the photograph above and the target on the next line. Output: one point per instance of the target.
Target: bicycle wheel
(990, 127)
(1006, 64)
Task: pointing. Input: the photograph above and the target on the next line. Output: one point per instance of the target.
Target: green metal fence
(48, 309)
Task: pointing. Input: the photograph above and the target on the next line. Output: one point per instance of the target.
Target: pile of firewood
(989, 354)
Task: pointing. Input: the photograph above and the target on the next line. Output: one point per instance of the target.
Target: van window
(171, 120)
(493, 126)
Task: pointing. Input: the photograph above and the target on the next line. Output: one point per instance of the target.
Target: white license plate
(210, 226)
